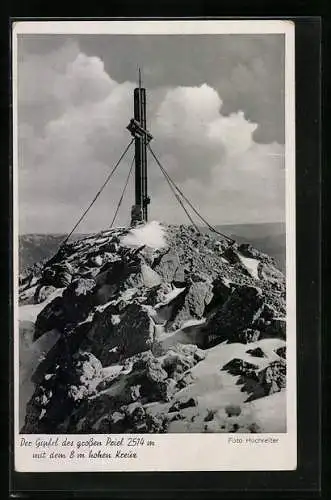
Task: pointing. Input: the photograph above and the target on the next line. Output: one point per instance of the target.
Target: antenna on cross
(142, 137)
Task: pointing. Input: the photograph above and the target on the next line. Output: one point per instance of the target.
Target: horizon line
(202, 226)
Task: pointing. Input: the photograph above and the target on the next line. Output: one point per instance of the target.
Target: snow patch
(269, 412)
(42, 413)
(150, 277)
(115, 319)
(169, 297)
(99, 241)
(112, 371)
(227, 282)
(128, 294)
(102, 307)
(193, 322)
(251, 265)
(31, 311)
(151, 235)
(89, 319)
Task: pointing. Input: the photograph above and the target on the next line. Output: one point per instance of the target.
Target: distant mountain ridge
(267, 237)
(37, 247)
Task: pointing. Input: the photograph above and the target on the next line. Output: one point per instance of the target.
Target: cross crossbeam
(138, 132)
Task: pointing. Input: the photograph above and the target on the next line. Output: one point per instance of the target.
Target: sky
(215, 106)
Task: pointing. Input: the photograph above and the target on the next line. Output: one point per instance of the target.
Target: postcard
(154, 245)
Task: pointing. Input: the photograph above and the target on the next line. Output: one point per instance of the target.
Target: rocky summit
(154, 328)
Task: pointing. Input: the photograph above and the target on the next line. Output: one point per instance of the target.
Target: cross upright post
(137, 127)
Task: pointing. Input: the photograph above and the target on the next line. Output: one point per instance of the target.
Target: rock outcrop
(140, 325)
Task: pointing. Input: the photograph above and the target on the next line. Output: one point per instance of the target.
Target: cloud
(72, 119)
(247, 71)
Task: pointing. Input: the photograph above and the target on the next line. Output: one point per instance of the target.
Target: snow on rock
(215, 391)
(193, 322)
(150, 234)
(251, 265)
(112, 371)
(268, 413)
(150, 277)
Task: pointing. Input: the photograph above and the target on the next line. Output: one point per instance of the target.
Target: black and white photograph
(154, 236)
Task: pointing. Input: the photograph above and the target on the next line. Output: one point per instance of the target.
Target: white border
(180, 452)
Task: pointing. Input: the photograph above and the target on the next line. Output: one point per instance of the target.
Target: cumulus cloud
(72, 119)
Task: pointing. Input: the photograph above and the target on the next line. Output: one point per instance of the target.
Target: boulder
(181, 405)
(231, 255)
(249, 335)
(68, 310)
(191, 305)
(236, 315)
(156, 423)
(158, 294)
(117, 422)
(141, 360)
(209, 416)
(169, 388)
(274, 328)
(176, 363)
(221, 290)
(80, 287)
(233, 410)
(96, 260)
(78, 299)
(281, 351)
(51, 317)
(58, 275)
(49, 406)
(186, 379)
(134, 392)
(135, 331)
(257, 352)
(189, 350)
(152, 380)
(86, 367)
(155, 371)
(242, 368)
(117, 271)
(170, 268)
(132, 335)
(136, 416)
(273, 378)
(248, 251)
(139, 420)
